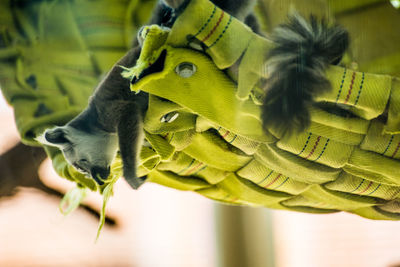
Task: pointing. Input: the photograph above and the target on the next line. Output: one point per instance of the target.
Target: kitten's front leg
(130, 135)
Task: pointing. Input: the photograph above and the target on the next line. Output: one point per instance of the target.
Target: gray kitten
(112, 120)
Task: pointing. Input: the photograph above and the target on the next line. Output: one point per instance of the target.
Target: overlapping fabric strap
(217, 148)
(226, 40)
(52, 54)
(347, 6)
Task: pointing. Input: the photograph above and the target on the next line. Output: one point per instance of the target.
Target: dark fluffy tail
(296, 64)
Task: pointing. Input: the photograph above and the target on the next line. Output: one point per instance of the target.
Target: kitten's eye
(83, 161)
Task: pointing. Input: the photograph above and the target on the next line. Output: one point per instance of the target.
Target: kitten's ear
(175, 4)
(56, 136)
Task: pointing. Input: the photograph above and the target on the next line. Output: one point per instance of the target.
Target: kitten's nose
(98, 173)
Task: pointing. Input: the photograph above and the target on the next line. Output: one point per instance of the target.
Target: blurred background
(159, 226)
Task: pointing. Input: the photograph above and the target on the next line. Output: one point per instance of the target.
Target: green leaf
(72, 199)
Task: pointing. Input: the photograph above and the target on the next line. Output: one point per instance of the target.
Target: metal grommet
(185, 69)
(170, 117)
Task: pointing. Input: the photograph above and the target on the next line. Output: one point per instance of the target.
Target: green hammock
(214, 145)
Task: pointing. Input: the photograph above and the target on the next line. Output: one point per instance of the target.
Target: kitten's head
(89, 153)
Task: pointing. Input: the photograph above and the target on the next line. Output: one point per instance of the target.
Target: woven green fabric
(216, 147)
(367, 37)
(347, 6)
(339, 163)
